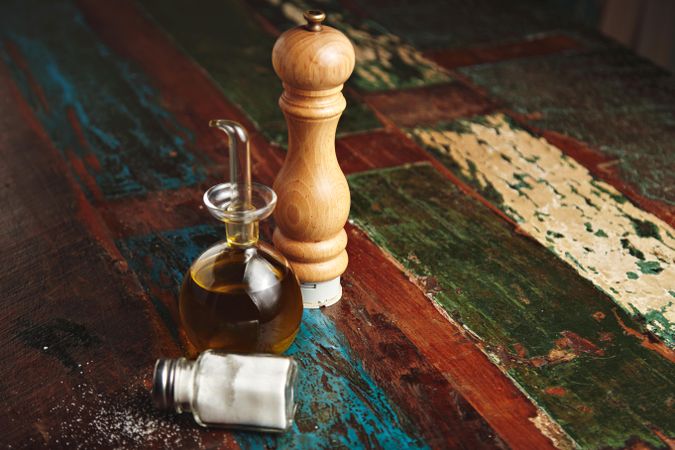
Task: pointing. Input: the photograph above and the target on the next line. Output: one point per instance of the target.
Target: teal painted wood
(101, 112)
(340, 406)
(565, 343)
(227, 41)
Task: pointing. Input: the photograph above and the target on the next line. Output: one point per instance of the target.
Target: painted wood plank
(339, 403)
(185, 90)
(225, 39)
(567, 345)
(624, 251)
(123, 31)
(78, 336)
(618, 103)
(452, 58)
(373, 315)
(457, 24)
(102, 113)
(452, 421)
(383, 60)
(430, 104)
(367, 151)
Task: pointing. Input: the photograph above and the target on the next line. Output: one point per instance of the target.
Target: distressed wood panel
(445, 24)
(186, 91)
(225, 38)
(185, 96)
(127, 35)
(567, 345)
(431, 104)
(383, 60)
(626, 252)
(102, 113)
(618, 103)
(78, 335)
(339, 403)
(371, 310)
(367, 151)
(453, 58)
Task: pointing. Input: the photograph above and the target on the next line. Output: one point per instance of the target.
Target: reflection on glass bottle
(240, 295)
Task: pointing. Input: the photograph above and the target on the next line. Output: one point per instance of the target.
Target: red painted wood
(375, 150)
(431, 104)
(454, 58)
(79, 336)
(403, 305)
(187, 92)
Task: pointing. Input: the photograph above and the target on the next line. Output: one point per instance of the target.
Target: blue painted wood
(101, 112)
(339, 403)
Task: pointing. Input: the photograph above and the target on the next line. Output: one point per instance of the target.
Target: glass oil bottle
(240, 295)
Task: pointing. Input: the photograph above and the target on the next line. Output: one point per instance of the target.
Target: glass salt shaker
(253, 392)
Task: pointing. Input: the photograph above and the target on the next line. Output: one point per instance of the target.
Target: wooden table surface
(512, 254)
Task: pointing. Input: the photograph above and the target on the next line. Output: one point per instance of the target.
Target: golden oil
(241, 300)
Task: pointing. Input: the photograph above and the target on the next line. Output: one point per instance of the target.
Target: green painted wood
(626, 252)
(227, 41)
(609, 98)
(566, 344)
(459, 23)
(383, 60)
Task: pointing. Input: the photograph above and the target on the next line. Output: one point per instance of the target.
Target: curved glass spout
(239, 203)
(240, 162)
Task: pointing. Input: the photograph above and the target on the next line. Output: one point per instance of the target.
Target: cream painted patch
(553, 431)
(626, 252)
(379, 55)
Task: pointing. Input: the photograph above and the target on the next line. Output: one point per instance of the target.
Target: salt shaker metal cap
(228, 390)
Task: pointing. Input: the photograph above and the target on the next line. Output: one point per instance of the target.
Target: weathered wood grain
(78, 335)
(623, 250)
(619, 104)
(141, 215)
(339, 403)
(453, 58)
(455, 24)
(431, 104)
(224, 38)
(566, 344)
(367, 151)
(79, 91)
(383, 60)
(186, 96)
(376, 312)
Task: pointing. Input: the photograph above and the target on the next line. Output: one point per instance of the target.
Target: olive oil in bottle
(240, 295)
(244, 301)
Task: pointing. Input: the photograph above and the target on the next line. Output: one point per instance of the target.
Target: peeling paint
(626, 252)
(552, 430)
(531, 313)
(383, 60)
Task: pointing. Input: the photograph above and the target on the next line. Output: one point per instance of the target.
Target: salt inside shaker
(229, 390)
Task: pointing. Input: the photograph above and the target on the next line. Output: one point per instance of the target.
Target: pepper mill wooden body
(313, 62)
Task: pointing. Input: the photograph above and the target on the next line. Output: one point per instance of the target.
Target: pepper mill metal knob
(313, 62)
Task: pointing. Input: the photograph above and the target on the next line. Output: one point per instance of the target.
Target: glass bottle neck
(242, 234)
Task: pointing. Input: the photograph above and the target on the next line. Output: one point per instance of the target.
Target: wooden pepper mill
(313, 61)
